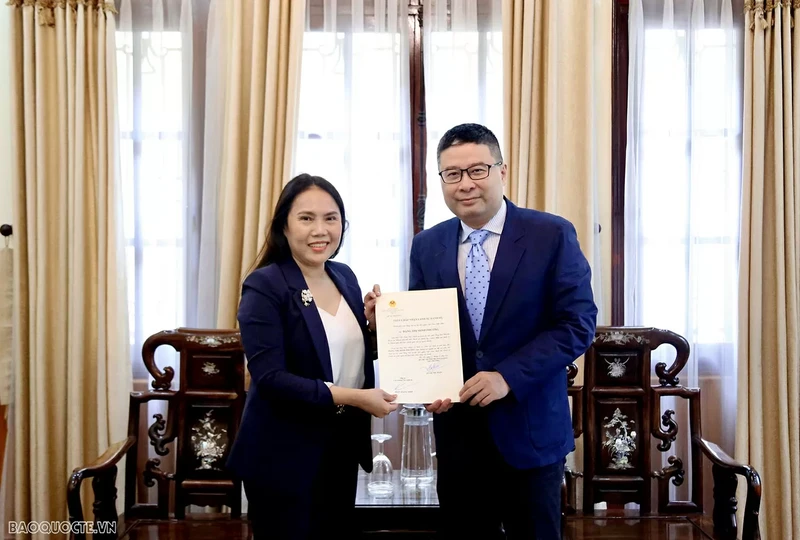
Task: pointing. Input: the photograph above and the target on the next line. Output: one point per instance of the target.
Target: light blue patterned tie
(476, 282)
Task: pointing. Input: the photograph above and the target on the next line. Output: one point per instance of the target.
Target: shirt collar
(494, 226)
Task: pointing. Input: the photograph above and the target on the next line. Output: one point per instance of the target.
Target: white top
(346, 345)
(495, 228)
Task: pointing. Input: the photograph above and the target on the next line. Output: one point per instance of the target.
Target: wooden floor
(577, 528)
(624, 529)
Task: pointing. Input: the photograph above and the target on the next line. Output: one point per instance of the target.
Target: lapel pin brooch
(306, 297)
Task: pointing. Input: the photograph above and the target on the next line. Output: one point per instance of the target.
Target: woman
(306, 424)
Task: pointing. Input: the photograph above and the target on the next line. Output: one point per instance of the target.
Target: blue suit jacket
(289, 414)
(540, 316)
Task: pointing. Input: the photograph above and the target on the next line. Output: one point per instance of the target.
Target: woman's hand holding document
(419, 345)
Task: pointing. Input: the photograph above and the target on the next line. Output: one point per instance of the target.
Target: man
(526, 312)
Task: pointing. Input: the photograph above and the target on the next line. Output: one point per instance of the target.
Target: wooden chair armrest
(725, 469)
(107, 461)
(104, 472)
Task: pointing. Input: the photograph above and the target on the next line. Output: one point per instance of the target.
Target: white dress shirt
(495, 228)
(346, 345)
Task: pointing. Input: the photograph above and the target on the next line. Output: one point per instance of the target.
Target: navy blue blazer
(289, 413)
(540, 316)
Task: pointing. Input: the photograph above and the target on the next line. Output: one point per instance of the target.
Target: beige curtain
(6, 326)
(557, 97)
(768, 422)
(557, 107)
(259, 134)
(71, 349)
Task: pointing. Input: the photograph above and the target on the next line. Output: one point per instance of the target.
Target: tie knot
(477, 237)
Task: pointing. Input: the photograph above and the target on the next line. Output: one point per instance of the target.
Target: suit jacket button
(479, 354)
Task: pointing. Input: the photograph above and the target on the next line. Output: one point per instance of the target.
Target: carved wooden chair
(203, 416)
(204, 413)
(618, 412)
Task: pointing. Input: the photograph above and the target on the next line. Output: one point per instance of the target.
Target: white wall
(5, 115)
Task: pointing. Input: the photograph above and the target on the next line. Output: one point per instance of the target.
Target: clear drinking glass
(380, 479)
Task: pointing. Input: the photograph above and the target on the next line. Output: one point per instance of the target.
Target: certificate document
(419, 345)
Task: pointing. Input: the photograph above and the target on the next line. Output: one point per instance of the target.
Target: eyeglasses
(476, 172)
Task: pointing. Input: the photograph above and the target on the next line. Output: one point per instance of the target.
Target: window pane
(464, 83)
(688, 186)
(161, 185)
(162, 89)
(150, 72)
(354, 131)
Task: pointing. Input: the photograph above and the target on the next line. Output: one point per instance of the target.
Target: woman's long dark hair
(276, 247)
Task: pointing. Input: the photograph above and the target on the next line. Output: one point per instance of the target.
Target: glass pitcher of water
(416, 461)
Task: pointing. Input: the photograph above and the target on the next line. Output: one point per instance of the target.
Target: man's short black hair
(469, 133)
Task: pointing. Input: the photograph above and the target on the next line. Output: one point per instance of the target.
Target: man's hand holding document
(419, 345)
